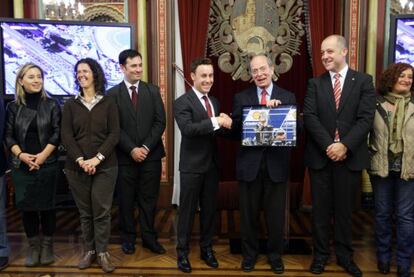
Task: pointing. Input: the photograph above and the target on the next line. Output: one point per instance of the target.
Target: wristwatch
(100, 157)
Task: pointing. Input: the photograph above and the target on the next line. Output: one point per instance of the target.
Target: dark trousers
(32, 220)
(138, 183)
(393, 194)
(333, 191)
(93, 196)
(197, 189)
(271, 196)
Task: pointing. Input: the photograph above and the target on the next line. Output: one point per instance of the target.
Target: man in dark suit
(198, 118)
(4, 245)
(140, 150)
(262, 172)
(338, 113)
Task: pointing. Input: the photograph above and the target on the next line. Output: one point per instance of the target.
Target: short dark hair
(200, 61)
(390, 76)
(128, 53)
(99, 80)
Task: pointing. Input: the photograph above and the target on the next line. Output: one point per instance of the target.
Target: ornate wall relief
(239, 29)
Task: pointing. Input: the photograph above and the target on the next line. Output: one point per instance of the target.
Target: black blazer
(144, 126)
(353, 119)
(249, 158)
(198, 142)
(48, 117)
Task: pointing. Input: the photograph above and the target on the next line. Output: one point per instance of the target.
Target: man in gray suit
(198, 116)
(338, 113)
(140, 150)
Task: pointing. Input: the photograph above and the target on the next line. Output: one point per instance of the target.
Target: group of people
(113, 142)
(341, 110)
(108, 139)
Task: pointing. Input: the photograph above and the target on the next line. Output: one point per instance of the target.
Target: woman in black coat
(32, 136)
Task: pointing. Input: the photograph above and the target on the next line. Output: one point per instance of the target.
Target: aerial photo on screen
(57, 48)
(404, 46)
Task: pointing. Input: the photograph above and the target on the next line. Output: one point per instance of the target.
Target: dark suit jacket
(144, 126)
(249, 158)
(3, 162)
(353, 119)
(198, 143)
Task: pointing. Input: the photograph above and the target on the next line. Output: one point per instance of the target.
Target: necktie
(337, 96)
(337, 89)
(134, 96)
(208, 106)
(263, 100)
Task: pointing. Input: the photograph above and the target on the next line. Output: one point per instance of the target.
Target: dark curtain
(324, 20)
(193, 17)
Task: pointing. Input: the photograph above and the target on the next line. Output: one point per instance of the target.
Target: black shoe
(403, 271)
(350, 267)
(384, 268)
(184, 264)
(247, 264)
(4, 262)
(277, 266)
(317, 266)
(209, 258)
(128, 248)
(154, 247)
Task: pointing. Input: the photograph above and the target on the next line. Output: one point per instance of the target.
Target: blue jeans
(4, 245)
(392, 194)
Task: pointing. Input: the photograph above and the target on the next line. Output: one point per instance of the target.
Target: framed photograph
(272, 127)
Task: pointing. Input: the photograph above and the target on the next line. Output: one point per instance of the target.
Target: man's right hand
(139, 154)
(224, 121)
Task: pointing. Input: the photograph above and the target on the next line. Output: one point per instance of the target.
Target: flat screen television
(401, 45)
(56, 46)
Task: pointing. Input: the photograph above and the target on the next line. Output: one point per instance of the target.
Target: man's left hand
(273, 103)
(336, 151)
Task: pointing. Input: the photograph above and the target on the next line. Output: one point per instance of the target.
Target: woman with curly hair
(32, 136)
(392, 167)
(90, 132)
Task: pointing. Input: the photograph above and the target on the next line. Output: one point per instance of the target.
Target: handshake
(224, 121)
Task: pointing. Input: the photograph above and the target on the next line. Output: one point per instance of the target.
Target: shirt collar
(342, 72)
(199, 94)
(79, 96)
(128, 84)
(269, 90)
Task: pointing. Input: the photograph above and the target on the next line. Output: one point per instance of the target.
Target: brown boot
(87, 259)
(104, 260)
(46, 254)
(33, 253)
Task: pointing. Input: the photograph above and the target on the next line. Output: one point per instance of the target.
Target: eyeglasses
(259, 70)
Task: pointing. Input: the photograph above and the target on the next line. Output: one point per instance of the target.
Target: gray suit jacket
(144, 126)
(353, 119)
(249, 158)
(198, 143)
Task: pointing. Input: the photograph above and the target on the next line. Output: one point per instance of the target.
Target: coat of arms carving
(239, 29)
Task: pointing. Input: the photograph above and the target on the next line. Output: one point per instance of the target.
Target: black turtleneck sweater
(32, 137)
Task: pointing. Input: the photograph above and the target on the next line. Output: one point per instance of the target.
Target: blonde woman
(32, 136)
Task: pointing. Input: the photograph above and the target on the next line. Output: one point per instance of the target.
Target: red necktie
(208, 106)
(263, 100)
(337, 96)
(337, 89)
(134, 96)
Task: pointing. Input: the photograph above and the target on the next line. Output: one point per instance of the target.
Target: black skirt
(35, 190)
